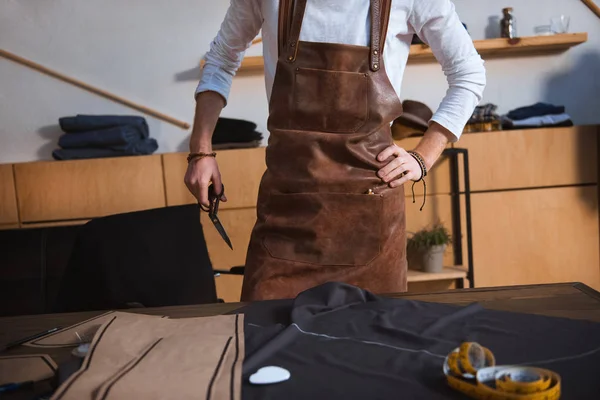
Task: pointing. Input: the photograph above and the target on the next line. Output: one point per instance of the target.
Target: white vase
(432, 259)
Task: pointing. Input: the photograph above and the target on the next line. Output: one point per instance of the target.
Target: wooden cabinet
(174, 167)
(9, 216)
(532, 158)
(83, 189)
(536, 236)
(229, 287)
(241, 172)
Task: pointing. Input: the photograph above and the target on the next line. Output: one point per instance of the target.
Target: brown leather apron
(329, 117)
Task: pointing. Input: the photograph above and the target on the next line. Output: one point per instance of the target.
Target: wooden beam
(93, 89)
(592, 6)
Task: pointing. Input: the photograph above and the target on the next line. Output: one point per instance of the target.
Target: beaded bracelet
(196, 156)
(421, 162)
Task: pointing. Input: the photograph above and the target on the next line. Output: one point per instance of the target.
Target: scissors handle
(213, 199)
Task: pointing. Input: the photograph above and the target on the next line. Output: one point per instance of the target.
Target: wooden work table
(569, 300)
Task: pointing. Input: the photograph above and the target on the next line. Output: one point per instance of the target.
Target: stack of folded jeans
(537, 115)
(98, 136)
(235, 133)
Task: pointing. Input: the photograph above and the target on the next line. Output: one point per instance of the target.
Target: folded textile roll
(231, 124)
(233, 136)
(535, 110)
(229, 130)
(142, 147)
(241, 145)
(544, 120)
(83, 123)
(508, 126)
(119, 135)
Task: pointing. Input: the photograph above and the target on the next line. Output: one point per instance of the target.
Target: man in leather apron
(331, 202)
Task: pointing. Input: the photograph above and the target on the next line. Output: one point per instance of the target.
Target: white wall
(148, 51)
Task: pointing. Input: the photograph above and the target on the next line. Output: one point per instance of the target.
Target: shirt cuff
(215, 80)
(453, 127)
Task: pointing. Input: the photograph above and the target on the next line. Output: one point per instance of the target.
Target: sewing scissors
(212, 211)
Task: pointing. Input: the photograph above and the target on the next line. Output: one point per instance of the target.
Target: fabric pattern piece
(158, 358)
(74, 335)
(23, 368)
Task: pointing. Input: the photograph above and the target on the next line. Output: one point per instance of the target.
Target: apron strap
(285, 17)
(291, 15)
(380, 17)
(297, 16)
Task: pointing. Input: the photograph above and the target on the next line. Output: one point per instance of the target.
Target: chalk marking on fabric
(549, 361)
(367, 342)
(553, 360)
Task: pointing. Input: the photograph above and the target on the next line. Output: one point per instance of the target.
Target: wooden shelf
(488, 48)
(448, 273)
(509, 47)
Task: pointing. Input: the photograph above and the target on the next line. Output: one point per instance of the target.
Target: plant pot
(432, 259)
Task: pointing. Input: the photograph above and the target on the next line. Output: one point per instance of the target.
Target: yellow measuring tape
(471, 369)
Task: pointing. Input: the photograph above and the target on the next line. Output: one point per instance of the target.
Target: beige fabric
(23, 368)
(74, 335)
(156, 358)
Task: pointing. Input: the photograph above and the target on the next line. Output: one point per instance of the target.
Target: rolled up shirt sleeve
(437, 24)
(242, 23)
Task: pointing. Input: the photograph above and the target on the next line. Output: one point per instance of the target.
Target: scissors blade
(221, 230)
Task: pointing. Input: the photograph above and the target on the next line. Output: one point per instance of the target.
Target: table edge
(591, 292)
(494, 289)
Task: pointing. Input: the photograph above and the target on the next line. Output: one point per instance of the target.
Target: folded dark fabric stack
(235, 133)
(98, 136)
(536, 116)
(484, 119)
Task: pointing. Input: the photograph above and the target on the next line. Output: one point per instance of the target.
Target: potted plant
(425, 249)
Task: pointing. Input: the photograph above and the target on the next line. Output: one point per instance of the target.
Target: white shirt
(348, 22)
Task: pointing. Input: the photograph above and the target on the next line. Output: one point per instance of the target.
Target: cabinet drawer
(532, 158)
(536, 236)
(83, 189)
(8, 200)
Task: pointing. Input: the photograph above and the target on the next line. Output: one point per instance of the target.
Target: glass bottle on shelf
(508, 24)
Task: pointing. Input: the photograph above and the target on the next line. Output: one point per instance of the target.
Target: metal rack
(454, 155)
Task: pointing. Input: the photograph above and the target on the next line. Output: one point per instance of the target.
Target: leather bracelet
(196, 156)
(421, 162)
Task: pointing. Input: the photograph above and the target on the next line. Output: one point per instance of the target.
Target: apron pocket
(324, 228)
(330, 101)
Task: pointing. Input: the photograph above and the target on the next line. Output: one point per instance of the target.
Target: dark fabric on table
(340, 365)
(85, 123)
(119, 135)
(535, 110)
(142, 147)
